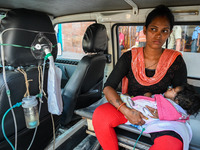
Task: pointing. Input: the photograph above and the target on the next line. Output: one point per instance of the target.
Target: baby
(176, 104)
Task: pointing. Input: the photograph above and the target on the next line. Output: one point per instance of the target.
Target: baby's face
(172, 92)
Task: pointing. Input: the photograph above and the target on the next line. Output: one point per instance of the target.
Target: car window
(184, 38)
(130, 37)
(69, 36)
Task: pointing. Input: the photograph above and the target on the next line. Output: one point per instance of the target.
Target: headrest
(21, 27)
(95, 39)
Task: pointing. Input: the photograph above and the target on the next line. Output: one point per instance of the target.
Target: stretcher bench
(127, 135)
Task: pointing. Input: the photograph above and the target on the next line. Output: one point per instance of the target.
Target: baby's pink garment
(167, 109)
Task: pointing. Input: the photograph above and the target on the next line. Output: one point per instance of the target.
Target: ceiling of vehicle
(66, 7)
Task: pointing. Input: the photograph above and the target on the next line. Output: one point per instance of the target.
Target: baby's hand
(148, 94)
(153, 111)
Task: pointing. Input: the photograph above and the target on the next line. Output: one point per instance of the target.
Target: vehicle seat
(85, 85)
(20, 27)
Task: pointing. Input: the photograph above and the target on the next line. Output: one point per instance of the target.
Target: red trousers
(106, 117)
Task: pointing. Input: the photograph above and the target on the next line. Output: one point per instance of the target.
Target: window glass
(69, 36)
(184, 38)
(130, 37)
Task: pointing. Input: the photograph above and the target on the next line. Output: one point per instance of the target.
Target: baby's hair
(189, 99)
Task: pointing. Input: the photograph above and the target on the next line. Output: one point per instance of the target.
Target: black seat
(85, 85)
(20, 27)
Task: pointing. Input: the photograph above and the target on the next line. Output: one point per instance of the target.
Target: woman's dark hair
(160, 11)
(189, 99)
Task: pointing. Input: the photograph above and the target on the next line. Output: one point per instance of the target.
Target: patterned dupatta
(138, 67)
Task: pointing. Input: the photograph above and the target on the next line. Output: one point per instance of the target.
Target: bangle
(120, 106)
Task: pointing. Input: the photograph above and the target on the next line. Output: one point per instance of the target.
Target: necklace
(151, 65)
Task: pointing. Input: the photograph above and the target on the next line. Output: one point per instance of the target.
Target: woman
(149, 69)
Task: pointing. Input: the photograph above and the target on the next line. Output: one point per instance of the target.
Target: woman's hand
(154, 112)
(134, 116)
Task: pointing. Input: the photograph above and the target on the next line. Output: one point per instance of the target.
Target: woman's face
(157, 32)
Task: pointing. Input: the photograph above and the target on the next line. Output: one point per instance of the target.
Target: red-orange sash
(138, 67)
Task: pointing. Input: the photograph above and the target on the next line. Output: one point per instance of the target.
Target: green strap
(39, 95)
(47, 56)
(14, 45)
